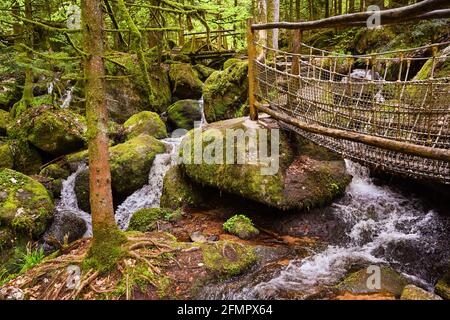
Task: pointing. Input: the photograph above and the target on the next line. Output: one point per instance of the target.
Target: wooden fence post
(251, 71)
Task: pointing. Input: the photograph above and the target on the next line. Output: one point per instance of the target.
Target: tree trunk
(105, 231)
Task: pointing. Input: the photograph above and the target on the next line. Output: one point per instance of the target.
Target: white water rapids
(146, 197)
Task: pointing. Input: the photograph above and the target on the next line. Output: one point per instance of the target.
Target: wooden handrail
(379, 142)
(427, 9)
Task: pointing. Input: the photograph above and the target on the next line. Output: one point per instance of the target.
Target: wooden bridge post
(251, 70)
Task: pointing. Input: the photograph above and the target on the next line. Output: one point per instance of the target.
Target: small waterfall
(68, 201)
(382, 227)
(50, 88)
(67, 98)
(203, 121)
(149, 195)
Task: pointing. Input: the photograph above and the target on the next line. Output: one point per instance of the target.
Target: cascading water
(149, 195)
(382, 227)
(67, 98)
(68, 201)
(146, 197)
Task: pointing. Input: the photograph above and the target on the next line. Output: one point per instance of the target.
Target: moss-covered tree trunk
(106, 236)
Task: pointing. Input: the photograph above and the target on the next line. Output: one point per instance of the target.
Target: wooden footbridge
(377, 114)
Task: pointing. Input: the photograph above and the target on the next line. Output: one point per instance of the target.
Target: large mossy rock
(308, 175)
(178, 191)
(145, 220)
(25, 205)
(412, 292)
(185, 82)
(183, 113)
(225, 92)
(6, 156)
(20, 156)
(357, 282)
(203, 72)
(145, 122)
(4, 121)
(130, 163)
(441, 68)
(131, 95)
(50, 129)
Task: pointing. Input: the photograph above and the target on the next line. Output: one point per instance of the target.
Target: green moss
(241, 226)
(146, 220)
(4, 121)
(183, 113)
(185, 82)
(26, 158)
(55, 171)
(230, 62)
(145, 122)
(228, 258)
(225, 92)
(203, 71)
(106, 250)
(411, 292)
(178, 191)
(6, 156)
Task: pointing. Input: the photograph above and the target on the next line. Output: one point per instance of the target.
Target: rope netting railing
(379, 95)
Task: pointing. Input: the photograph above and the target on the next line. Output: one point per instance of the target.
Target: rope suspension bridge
(377, 114)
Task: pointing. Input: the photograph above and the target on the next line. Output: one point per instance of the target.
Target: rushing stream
(382, 226)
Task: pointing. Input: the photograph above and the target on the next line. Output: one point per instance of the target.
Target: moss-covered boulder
(303, 176)
(130, 163)
(146, 220)
(357, 282)
(441, 68)
(145, 122)
(26, 157)
(183, 113)
(178, 191)
(412, 292)
(131, 95)
(225, 92)
(50, 129)
(4, 121)
(228, 63)
(227, 258)
(185, 82)
(25, 205)
(10, 92)
(203, 71)
(53, 175)
(241, 226)
(6, 156)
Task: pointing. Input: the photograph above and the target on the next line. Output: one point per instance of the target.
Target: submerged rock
(185, 82)
(306, 175)
(130, 163)
(359, 283)
(225, 92)
(145, 122)
(183, 113)
(50, 129)
(241, 226)
(25, 205)
(412, 292)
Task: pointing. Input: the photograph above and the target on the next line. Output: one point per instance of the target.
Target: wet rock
(66, 226)
(198, 236)
(183, 113)
(82, 191)
(225, 92)
(185, 82)
(28, 207)
(50, 129)
(241, 226)
(178, 190)
(411, 292)
(359, 283)
(145, 122)
(4, 121)
(130, 163)
(307, 176)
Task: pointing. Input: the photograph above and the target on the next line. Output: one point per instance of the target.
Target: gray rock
(197, 236)
(65, 223)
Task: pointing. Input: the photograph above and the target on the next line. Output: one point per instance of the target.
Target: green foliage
(30, 258)
(241, 226)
